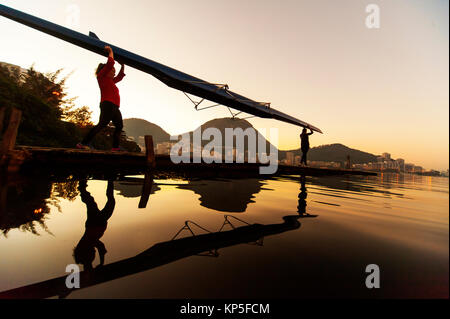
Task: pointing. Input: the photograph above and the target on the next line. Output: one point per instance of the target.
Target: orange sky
(377, 90)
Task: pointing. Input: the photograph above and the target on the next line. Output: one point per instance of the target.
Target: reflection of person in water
(301, 208)
(96, 223)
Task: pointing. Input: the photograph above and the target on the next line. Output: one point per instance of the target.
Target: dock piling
(9, 138)
(10, 159)
(146, 190)
(149, 151)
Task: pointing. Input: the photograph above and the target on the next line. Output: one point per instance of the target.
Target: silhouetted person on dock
(304, 137)
(109, 103)
(96, 223)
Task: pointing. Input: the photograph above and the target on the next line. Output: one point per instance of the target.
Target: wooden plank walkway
(53, 158)
(30, 157)
(69, 156)
(19, 158)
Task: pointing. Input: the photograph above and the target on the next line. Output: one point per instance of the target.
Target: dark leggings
(304, 152)
(95, 216)
(108, 112)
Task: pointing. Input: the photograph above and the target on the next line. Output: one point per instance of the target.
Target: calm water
(284, 237)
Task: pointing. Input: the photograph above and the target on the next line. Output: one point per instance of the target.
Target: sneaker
(83, 147)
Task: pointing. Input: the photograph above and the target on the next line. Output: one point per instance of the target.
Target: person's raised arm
(101, 251)
(311, 132)
(110, 52)
(109, 65)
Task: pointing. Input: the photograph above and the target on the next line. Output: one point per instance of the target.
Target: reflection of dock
(157, 255)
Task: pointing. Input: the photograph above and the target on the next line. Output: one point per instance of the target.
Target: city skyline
(384, 161)
(383, 84)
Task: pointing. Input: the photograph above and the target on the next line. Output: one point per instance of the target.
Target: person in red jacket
(109, 103)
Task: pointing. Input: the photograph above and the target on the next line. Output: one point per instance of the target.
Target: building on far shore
(323, 164)
(417, 169)
(290, 158)
(409, 168)
(386, 156)
(401, 164)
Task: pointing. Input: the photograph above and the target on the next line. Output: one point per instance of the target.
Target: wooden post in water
(146, 189)
(10, 159)
(9, 138)
(149, 151)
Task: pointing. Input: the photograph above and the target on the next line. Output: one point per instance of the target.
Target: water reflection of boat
(157, 255)
(166, 252)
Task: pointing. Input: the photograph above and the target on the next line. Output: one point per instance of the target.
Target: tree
(80, 116)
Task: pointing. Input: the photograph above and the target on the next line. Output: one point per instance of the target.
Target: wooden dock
(51, 157)
(26, 158)
(31, 158)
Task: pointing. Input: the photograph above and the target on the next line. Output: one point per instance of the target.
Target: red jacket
(108, 88)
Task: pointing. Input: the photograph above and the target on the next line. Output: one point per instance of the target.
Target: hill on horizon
(136, 127)
(334, 153)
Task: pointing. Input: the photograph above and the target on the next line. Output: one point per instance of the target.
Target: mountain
(334, 153)
(228, 122)
(138, 127)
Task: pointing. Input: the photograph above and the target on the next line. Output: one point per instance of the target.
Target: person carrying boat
(109, 103)
(304, 137)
